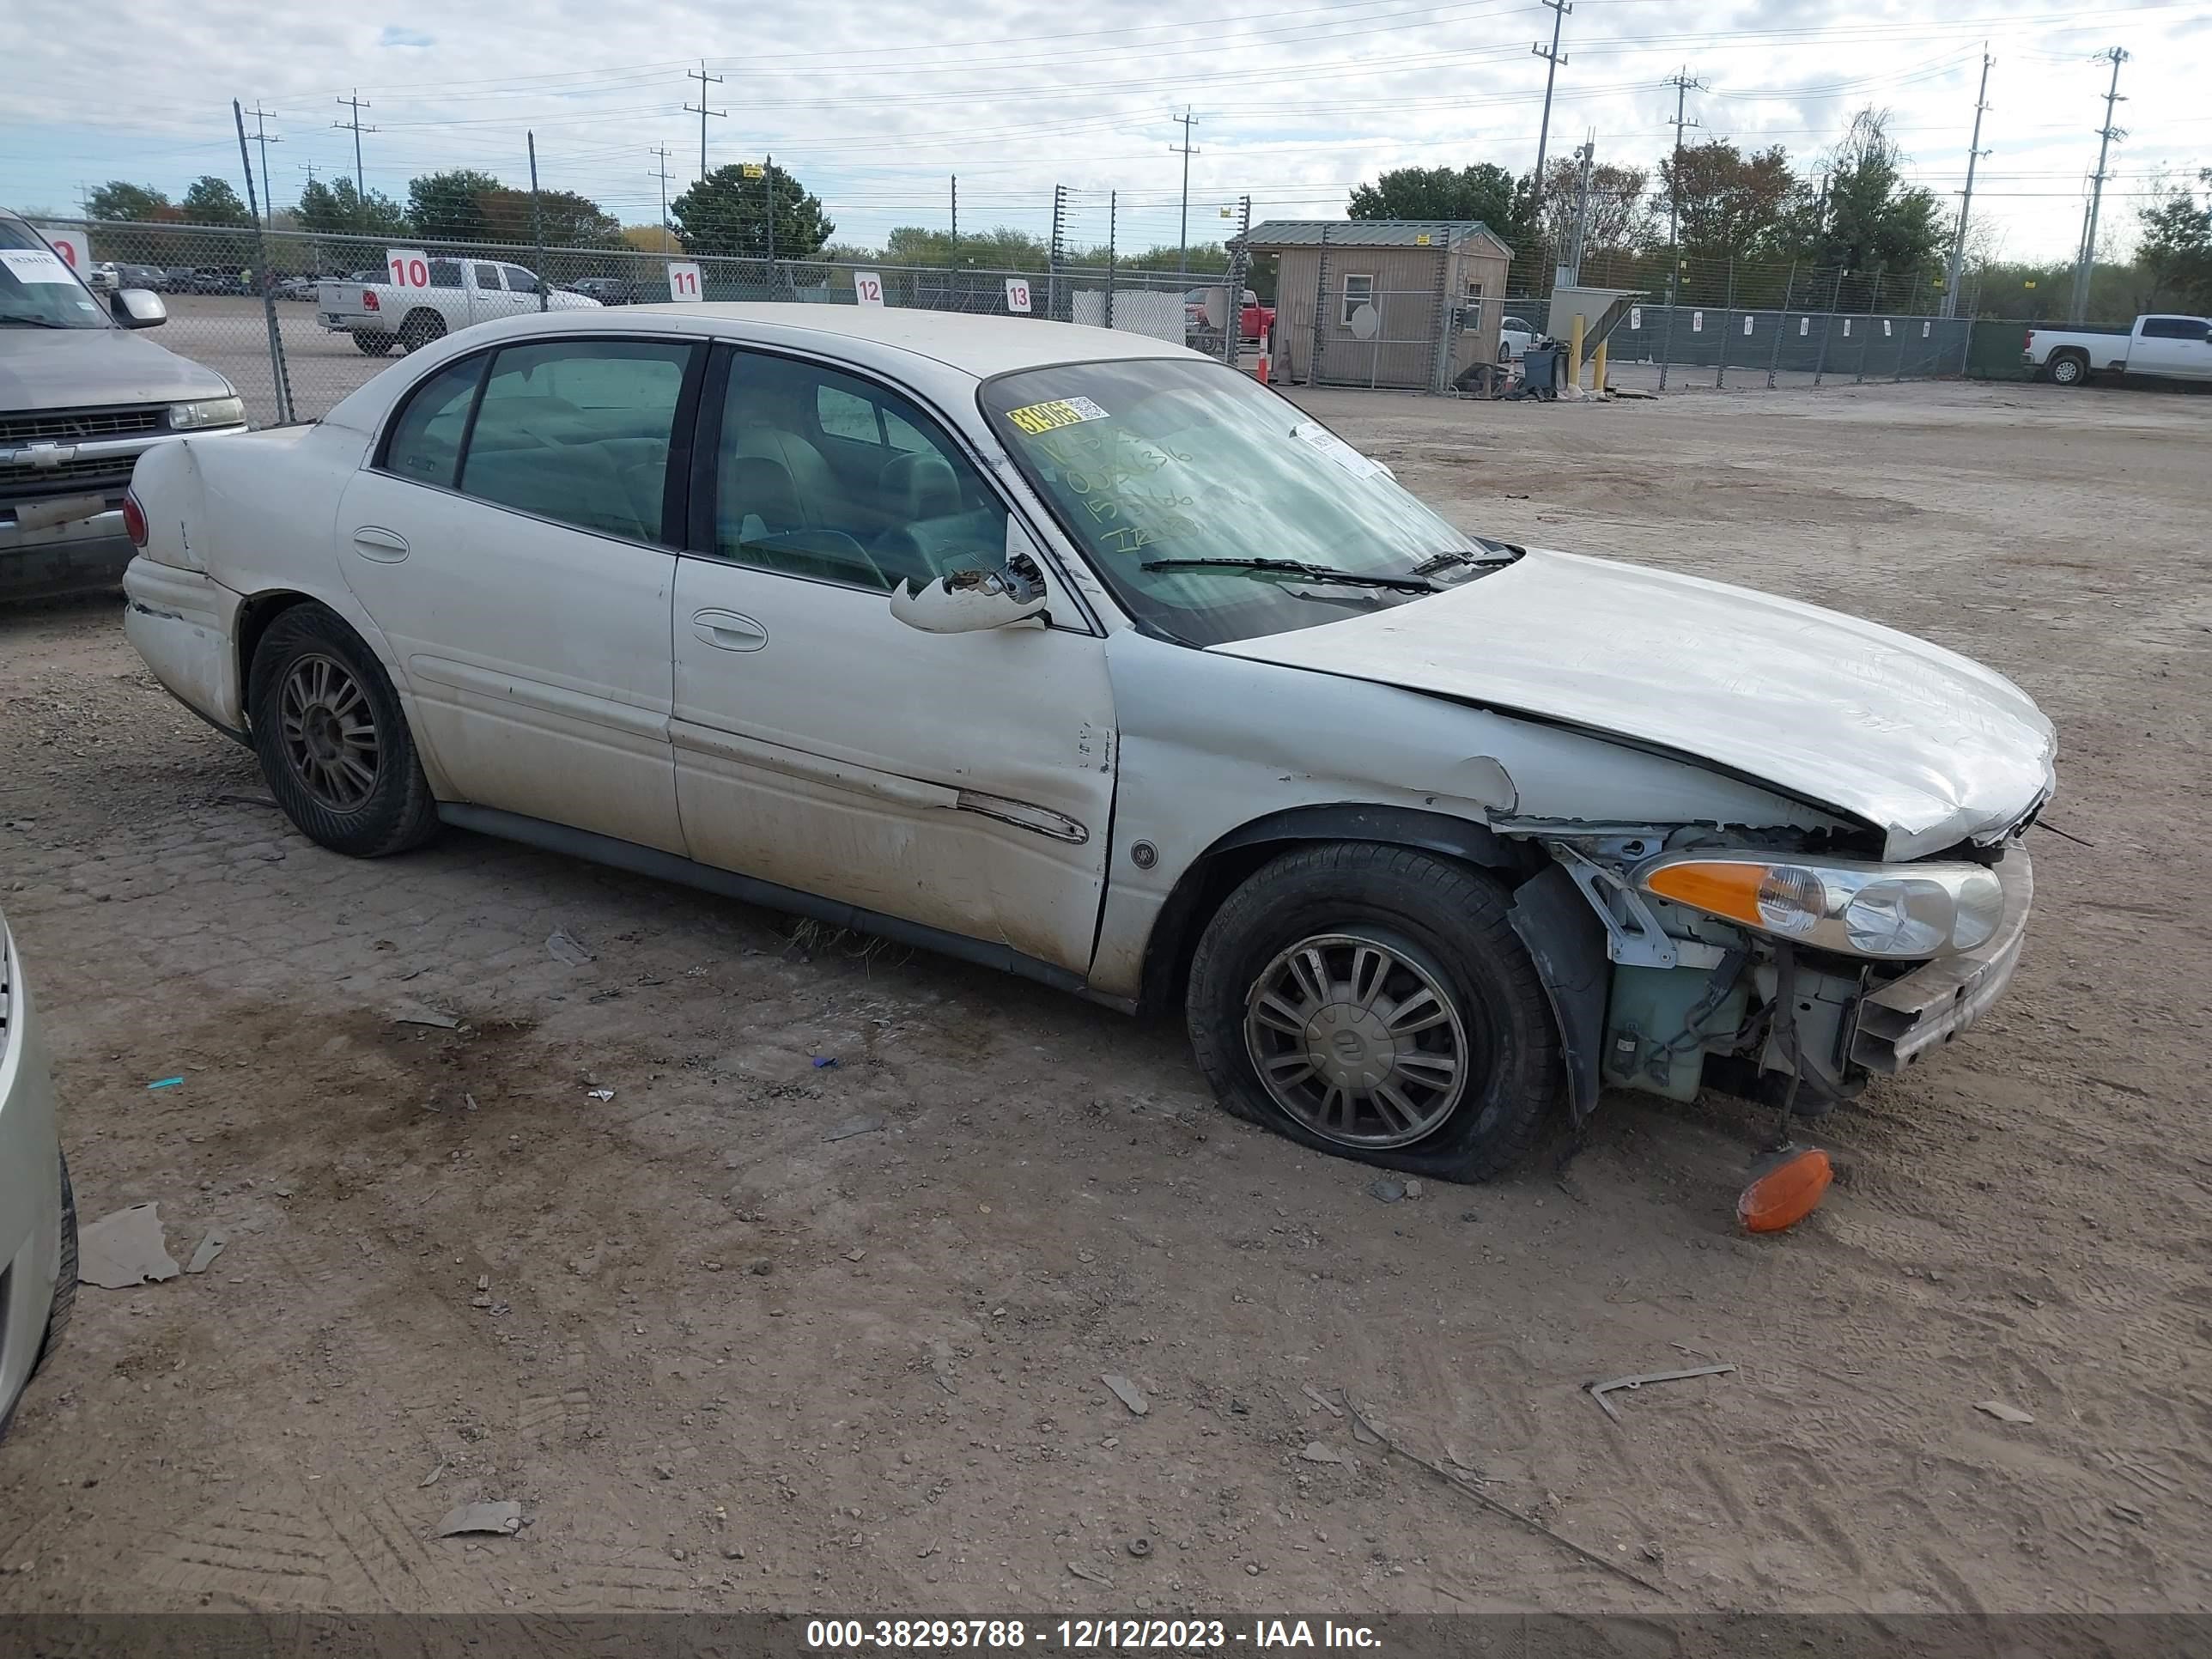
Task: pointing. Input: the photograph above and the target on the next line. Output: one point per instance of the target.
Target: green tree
(2177, 244)
(118, 199)
(454, 205)
(211, 201)
(1730, 205)
(1869, 219)
(728, 213)
(1484, 191)
(1620, 215)
(338, 208)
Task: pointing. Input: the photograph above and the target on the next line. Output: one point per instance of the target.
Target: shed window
(1359, 291)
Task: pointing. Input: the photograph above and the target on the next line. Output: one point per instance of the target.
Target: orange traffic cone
(1266, 341)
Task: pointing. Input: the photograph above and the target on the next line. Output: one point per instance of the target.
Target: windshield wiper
(31, 322)
(1318, 573)
(1451, 557)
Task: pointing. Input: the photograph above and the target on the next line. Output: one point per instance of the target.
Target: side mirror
(137, 308)
(969, 601)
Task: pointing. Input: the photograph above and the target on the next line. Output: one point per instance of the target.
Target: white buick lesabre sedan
(1082, 655)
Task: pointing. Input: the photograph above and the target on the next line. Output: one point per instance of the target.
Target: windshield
(37, 289)
(1154, 462)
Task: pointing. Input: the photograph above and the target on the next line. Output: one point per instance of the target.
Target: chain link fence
(251, 305)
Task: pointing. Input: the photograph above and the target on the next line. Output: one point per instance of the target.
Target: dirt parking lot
(756, 1332)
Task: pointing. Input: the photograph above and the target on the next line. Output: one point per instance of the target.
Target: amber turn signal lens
(1787, 1192)
(1718, 888)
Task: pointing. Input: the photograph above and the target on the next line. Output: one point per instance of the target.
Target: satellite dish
(1365, 322)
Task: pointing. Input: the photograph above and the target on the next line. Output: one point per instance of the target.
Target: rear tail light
(134, 522)
(368, 301)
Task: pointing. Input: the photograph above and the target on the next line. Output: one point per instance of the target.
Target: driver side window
(829, 477)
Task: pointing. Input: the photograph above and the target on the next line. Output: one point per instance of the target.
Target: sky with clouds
(874, 104)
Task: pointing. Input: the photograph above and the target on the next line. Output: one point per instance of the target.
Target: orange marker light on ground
(1790, 1190)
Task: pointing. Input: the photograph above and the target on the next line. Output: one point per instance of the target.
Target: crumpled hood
(90, 367)
(1929, 746)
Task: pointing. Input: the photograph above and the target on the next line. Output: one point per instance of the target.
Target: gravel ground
(726, 1355)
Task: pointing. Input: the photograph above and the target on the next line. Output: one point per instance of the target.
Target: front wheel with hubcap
(332, 741)
(1375, 1002)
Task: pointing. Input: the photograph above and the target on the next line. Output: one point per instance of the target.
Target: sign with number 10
(684, 281)
(409, 267)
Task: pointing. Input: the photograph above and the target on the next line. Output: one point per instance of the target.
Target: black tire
(332, 740)
(420, 329)
(372, 345)
(1442, 922)
(2068, 368)
(64, 1300)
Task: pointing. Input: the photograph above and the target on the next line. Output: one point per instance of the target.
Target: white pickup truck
(430, 297)
(2172, 347)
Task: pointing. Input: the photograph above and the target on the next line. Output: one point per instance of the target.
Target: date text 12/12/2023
(1082, 1635)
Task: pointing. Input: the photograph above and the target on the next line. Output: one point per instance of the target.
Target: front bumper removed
(1899, 1021)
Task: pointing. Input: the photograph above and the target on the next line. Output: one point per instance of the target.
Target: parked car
(220, 279)
(178, 279)
(37, 1211)
(1254, 321)
(82, 397)
(103, 278)
(2170, 347)
(1085, 656)
(1515, 337)
(150, 277)
(379, 315)
(297, 287)
(607, 290)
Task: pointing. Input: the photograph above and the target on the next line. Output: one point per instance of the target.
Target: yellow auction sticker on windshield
(1061, 411)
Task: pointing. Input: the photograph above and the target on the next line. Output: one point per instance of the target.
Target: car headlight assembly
(207, 412)
(1890, 911)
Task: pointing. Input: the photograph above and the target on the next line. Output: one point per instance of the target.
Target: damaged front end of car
(1781, 966)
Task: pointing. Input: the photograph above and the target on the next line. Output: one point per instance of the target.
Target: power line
(2086, 266)
(701, 76)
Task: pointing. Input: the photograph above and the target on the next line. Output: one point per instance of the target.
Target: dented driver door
(963, 781)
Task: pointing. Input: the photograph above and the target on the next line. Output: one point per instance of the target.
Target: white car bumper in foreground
(182, 623)
(30, 1182)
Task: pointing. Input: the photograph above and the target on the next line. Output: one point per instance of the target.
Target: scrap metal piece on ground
(2002, 1413)
(504, 1518)
(1599, 1390)
(122, 1251)
(210, 1248)
(1127, 1392)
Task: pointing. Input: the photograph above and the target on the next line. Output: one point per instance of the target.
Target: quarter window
(579, 431)
(823, 475)
(1358, 291)
(425, 444)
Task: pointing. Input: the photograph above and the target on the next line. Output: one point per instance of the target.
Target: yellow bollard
(1575, 352)
(1597, 371)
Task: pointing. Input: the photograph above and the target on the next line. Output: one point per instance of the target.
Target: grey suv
(81, 398)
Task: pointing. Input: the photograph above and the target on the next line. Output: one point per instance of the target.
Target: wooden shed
(1398, 302)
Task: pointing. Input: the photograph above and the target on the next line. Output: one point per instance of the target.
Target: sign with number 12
(869, 287)
(682, 280)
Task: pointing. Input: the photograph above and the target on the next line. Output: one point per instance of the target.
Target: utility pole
(1186, 150)
(2086, 267)
(261, 135)
(701, 76)
(1552, 59)
(662, 152)
(537, 226)
(360, 185)
(1974, 153)
(1684, 83)
(767, 183)
(955, 221)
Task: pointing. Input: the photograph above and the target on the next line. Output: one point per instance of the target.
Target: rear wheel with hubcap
(1375, 1001)
(420, 329)
(2068, 368)
(372, 345)
(332, 741)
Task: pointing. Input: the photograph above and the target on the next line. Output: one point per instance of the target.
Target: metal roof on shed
(1367, 232)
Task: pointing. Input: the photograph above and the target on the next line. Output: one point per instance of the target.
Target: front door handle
(387, 546)
(726, 631)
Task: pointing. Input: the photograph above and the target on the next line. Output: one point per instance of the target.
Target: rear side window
(445, 273)
(2173, 328)
(579, 431)
(425, 444)
(488, 278)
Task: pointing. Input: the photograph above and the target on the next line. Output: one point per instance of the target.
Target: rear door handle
(726, 631)
(387, 546)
